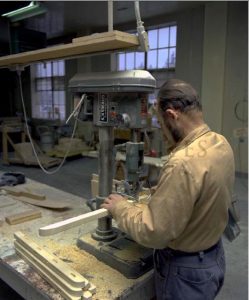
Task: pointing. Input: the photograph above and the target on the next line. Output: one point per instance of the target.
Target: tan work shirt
(189, 209)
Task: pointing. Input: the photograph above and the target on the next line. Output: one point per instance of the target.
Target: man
(188, 212)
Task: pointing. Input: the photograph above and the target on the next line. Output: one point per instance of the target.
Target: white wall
(236, 80)
(224, 73)
(190, 47)
(213, 71)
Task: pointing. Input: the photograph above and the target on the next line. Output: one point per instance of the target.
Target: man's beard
(175, 133)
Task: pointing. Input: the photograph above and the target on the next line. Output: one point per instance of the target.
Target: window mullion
(157, 50)
(169, 46)
(52, 86)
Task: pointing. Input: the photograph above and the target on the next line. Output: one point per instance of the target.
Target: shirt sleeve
(168, 212)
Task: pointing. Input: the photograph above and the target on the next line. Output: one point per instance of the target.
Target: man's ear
(171, 114)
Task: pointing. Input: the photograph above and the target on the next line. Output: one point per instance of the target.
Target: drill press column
(104, 231)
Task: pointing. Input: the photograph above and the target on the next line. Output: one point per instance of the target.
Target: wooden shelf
(99, 42)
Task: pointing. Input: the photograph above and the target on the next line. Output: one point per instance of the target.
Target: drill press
(116, 99)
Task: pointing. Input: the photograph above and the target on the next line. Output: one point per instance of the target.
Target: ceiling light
(33, 9)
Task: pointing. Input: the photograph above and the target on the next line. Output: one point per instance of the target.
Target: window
(162, 53)
(50, 91)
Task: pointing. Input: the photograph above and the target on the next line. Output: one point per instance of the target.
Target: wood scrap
(47, 203)
(91, 289)
(95, 185)
(23, 217)
(94, 188)
(72, 222)
(33, 195)
(24, 153)
(13, 190)
(87, 295)
(36, 199)
(62, 277)
(6, 201)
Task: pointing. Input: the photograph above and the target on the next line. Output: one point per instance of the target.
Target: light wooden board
(6, 201)
(47, 203)
(153, 161)
(72, 222)
(91, 44)
(52, 261)
(13, 190)
(87, 295)
(53, 280)
(75, 291)
(23, 217)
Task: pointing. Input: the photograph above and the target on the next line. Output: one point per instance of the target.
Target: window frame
(156, 27)
(36, 114)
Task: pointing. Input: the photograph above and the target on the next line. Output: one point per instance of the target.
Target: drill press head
(115, 99)
(118, 99)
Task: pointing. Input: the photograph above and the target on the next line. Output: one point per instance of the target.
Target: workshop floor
(75, 176)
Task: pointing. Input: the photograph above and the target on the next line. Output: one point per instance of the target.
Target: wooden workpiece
(87, 295)
(23, 217)
(16, 191)
(34, 198)
(94, 43)
(56, 204)
(157, 162)
(6, 201)
(53, 262)
(23, 151)
(68, 291)
(70, 283)
(72, 222)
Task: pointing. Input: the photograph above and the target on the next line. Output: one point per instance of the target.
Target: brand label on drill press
(103, 108)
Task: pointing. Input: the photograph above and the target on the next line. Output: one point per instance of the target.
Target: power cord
(30, 138)
(243, 119)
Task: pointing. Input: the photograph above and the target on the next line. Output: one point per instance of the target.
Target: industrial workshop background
(52, 98)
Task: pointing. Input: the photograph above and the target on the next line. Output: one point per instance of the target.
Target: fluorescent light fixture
(33, 9)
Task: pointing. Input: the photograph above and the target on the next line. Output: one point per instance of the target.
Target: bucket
(46, 138)
(47, 141)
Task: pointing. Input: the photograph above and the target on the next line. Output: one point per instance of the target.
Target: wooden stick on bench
(72, 222)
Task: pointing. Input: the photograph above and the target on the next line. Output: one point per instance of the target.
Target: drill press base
(122, 254)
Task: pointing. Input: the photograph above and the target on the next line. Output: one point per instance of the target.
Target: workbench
(23, 151)
(24, 280)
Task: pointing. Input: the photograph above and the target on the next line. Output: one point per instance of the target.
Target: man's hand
(111, 201)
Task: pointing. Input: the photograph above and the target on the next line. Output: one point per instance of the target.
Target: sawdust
(109, 282)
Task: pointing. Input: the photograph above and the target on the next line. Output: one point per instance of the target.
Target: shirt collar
(193, 135)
